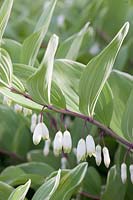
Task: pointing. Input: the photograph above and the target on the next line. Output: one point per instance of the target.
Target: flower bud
(32, 127)
(90, 145)
(98, 157)
(27, 111)
(67, 142)
(34, 118)
(33, 122)
(131, 173)
(18, 108)
(36, 137)
(106, 157)
(123, 172)
(46, 147)
(57, 144)
(7, 101)
(41, 131)
(63, 162)
(81, 150)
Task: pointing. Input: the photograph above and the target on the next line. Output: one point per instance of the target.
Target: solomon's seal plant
(72, 109)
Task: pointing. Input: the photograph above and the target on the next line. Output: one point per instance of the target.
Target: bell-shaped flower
(46, 147)
(98, 157)
(18, 108)
(7, 101)
(67, 142)
(90, 145)
(33, 122)
(57, 143)
(106, 156)
(123, 172)
(63, 162)
(131, 173)
(34, 119)
(81, 150)
(27, 111)
(41, 131)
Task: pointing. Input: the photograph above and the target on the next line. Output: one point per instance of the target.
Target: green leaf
(17, 84)
(5, 191)
(36, 168)
(114, 188)
(20, 192)
(40, 83)
(14, 129)
(92, 182)
(67, 48)
(48, 188)
(38, 156)
(31, 45)
(20, 99)
(121, 86)
(4, 16)
(6, 70)
(70, 182)
(97, 72)
(127, 123)
(36, 171)
(66, 75)
(11, 175)
(20, 69)
(13, 48)
(104, 106)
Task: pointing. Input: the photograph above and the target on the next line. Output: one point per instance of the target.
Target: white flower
(106, 157)
(27, 111)
(131, 173)
(33, 122)
(98, 157)
(90, 145)
(67, 142)
(81, 150)
(39, 118)
(46, 147)
(57, 143)
(34, 118)
(41, 131)
(60, 20)
(7, 101)
(63, 162)
(123, 172)
(18, 108)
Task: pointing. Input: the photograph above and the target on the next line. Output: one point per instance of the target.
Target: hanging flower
(67, 142)
(41, 131)
(81, 150)
(33, 122)
(123, 172)
(18, 108)
(98, 157)
(131, 173)
(27, 111)
(46, 147)
(7, 101)
(106, 156)
(90, 145)
(57, 143)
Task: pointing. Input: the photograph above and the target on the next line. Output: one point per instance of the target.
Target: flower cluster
(62, 141)
(124, 172)
(40, 132)
(88, 148)
(16, 107)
